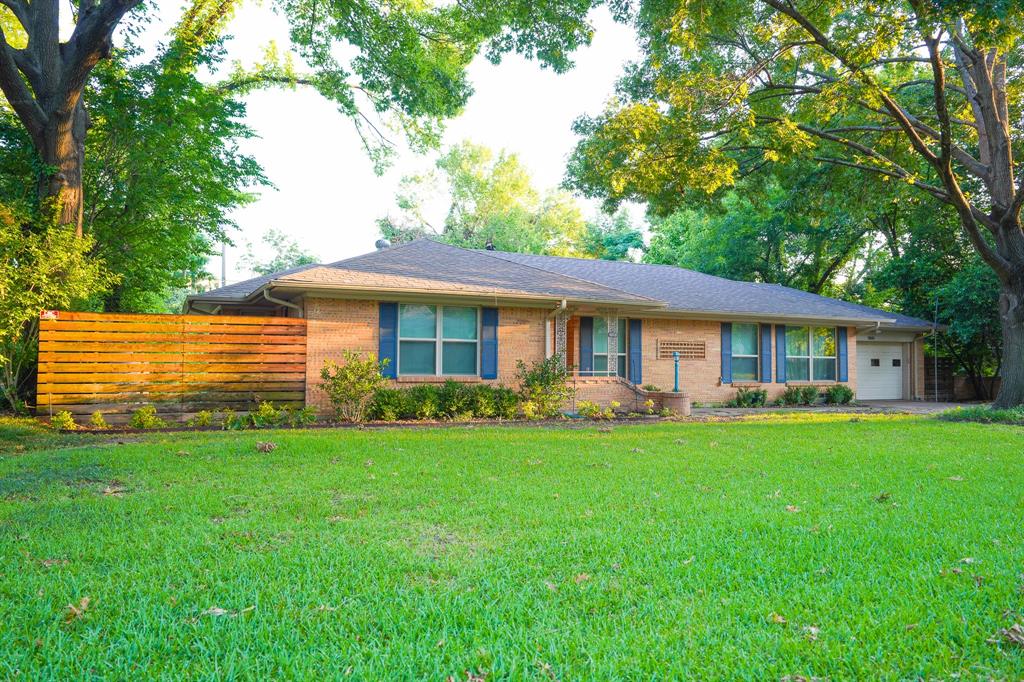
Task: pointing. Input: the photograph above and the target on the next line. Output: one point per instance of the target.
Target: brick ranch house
(440, 312)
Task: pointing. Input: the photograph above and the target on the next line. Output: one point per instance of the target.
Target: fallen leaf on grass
(775, 495)
(955, 478)
(265, 446)
(969, 560)
(216, 611)
(883, 497)
(325, 607)
(978, 580)
(689, 561)
(777, 619)
(811, 632)
(792, 508)
(115, 489)
(640, 450)
(1011, 635)
(911, 626)
(551, 586)
(47, 563)
(582, 578)
(73, 612)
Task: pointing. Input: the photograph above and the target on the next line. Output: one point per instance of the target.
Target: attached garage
(880, 370)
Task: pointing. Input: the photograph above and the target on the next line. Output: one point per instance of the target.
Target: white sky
(327, 195)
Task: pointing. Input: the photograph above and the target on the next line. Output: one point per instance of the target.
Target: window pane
(416, 357)
(417, 321)
(600, 335)
(796, 342)
(458, 323)
(825, 342)
(824, 370)
(744, 369)
(796, 369)
(600, 363)
(622, 366)
(622, 335)
(744, 339)
(458, 358)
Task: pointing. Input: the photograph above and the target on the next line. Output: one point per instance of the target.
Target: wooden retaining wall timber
(181, 364)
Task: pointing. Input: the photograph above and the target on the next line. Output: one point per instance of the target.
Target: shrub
(233, 421)
(351, 386)
(791, 396)
(545, 384)
(591, 410)
(809, 395)
(389, 404)
(455, 400)
(666, 412)
(984, 415)
(266, 414)
(649, 406)
(749, 397)
(425, 401)
(839, 394)
(97, 420)
(506, 402)
(296, 417)
(201, 419)
(63, 421)
(651, 388)
(146, 418)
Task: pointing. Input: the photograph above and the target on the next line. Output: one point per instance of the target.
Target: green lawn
(819, 546)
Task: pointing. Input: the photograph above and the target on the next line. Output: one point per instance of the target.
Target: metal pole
(675, 358)
(935, 346)
(223, 264)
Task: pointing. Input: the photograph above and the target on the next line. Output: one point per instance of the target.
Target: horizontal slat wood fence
(181, 364)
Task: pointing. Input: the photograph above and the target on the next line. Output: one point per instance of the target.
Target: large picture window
(744, 352)
(601, 354)
(438, 340)
(810, 353)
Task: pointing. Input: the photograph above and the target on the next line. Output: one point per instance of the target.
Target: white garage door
(879, 371)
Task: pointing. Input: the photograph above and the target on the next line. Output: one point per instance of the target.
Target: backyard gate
(180, 364)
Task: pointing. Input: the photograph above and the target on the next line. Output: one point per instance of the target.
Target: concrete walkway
(861, 407)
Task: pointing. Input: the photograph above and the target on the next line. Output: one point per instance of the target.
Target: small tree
(351, 386)
(544, 386)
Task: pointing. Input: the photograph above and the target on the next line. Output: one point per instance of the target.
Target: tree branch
(90, 42)
(17, 92)
(19, 8)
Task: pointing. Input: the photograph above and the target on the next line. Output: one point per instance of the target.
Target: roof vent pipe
(381, 244)
(489, 246)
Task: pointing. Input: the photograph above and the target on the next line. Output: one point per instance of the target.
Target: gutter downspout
(548, 350)
(278, 301)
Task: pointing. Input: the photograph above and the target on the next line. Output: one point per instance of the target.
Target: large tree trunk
(63, 156)
(1011, 312)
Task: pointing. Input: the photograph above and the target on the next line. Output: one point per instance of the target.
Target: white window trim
(438, 340)
(811, 357)
(757, 357)
(610, 371)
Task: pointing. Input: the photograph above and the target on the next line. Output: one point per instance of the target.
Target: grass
(828, 546)
(984, 415)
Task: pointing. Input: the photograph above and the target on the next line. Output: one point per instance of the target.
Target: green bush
(840, 394)
(297, 417)
(591, 410)
(233, 421)
(352, 385)
(146, 418)
(809, 395)
(984, 415)
(749, 397)
(452, 400)
(545, 386)
(201, 419)
(266, 414)
(651, 388)
(791, 396)
(97, 420)
(63, 421)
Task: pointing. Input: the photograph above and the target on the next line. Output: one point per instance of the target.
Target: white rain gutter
(548, 350)
(278, 301)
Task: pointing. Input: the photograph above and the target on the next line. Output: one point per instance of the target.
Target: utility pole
(223, 264)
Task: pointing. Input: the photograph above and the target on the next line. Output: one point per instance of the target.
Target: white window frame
(610, 371)
(757, 357)
(811, 357)
(438, 340)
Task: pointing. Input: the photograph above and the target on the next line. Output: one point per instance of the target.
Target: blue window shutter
(489, 343)
(586, 345)
(844, 374)
(766, 353)
(388, 348)
(780, 353)
(727, 352)
(636, 355)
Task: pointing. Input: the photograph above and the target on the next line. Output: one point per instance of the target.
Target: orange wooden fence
(181, 364)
